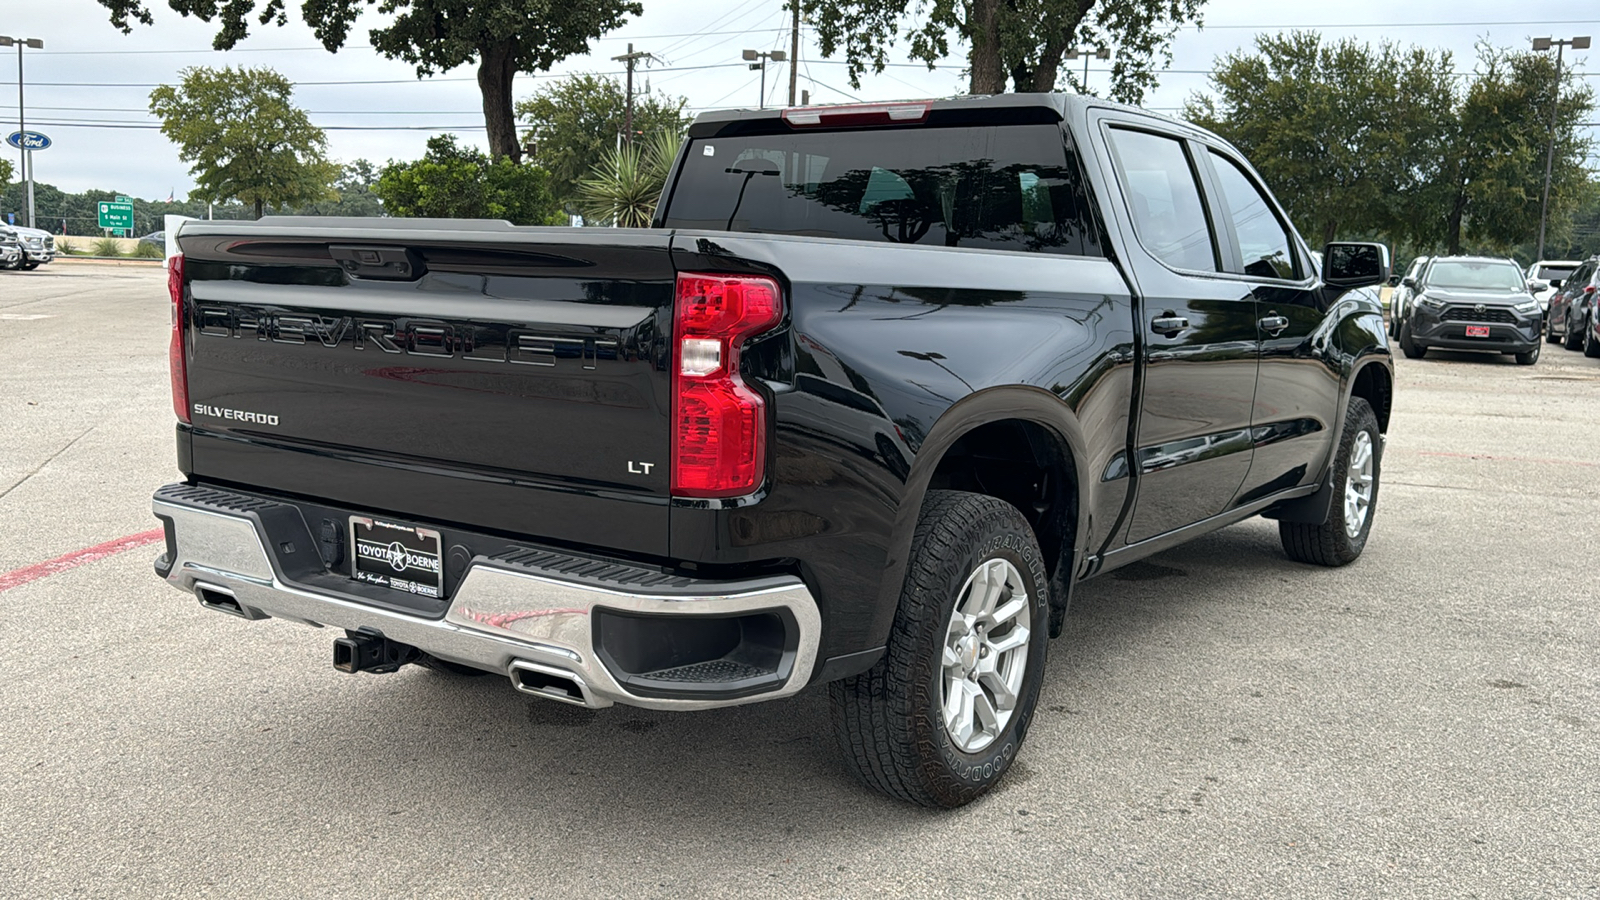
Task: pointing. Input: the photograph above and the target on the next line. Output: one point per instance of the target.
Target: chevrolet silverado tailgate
(447, 371)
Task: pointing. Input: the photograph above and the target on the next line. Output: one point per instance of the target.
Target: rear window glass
(1002, 188)
(1554, 273)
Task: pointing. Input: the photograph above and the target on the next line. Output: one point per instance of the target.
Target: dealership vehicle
(10, 249)
(38, 246)
(1402, 292)
(881, 386)
(1470, 303)
(1573, 305)
(1545, 278)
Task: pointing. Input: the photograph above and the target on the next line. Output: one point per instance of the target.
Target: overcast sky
(90, 75)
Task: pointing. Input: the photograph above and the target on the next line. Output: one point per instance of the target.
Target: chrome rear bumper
(502, 617)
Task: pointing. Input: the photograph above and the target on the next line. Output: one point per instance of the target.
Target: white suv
(1549, 274)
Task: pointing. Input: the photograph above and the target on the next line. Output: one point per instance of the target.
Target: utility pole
(794, 51)
(631, 59)
(1541, 45)
(22, 117)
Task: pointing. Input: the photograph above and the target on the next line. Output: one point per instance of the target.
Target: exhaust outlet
(223, 600)
(552, 683)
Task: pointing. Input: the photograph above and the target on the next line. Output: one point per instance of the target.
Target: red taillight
(719, 427)
(180, 371)
(857, 114)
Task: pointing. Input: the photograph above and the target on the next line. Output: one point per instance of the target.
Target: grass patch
(107, 247)
(67, 247)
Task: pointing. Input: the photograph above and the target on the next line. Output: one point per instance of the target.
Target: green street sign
(116, 215)
(122, 199)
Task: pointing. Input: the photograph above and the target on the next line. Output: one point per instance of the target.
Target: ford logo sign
(29, 140)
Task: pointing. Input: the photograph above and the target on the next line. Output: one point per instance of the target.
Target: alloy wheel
(1358, 485)
(985, 655)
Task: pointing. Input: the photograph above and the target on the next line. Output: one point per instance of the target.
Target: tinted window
(1263, 242)
(1475, 276)
(1552, 273)
(1006, 188)
(1164, 199)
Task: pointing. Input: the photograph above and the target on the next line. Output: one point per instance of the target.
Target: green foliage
(455, 182)
(625, 187)
(352, 194)
(574, 122)
(1020, 42)
(6, 170)
(244, 137)
(68, 247)
(1368, 141)
(503, 37)
(105, 247)
(147, 250)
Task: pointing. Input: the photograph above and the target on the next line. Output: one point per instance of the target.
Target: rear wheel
(1591, 347)
(1573, 338)
(939, 719)
(1356, 468)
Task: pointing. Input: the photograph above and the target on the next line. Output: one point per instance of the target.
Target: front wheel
(1572, 337)
(1528, 358)
(1342, 537)
(28, 267)
(1408, 346)
(939, 719)
(1591, 347)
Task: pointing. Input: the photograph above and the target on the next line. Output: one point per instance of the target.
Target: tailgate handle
(378, 263)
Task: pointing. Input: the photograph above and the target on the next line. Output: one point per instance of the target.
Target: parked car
(1573, 305)
(1402, 293)
(158, 238)
(38, 246)
(10, 249)
(883, 383)
(1545, 278)
(1470, 303)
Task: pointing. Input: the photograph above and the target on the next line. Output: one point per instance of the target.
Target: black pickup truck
(880, 387)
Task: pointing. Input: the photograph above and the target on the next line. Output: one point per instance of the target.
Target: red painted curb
(20, 577)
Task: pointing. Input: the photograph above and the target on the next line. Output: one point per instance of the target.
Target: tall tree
(352, 194)
(244, 137)
(1339, 130)
(455, 182)
(1018, 44)
(503, 37)
(1492, 176)
(572, 123)
(5, 172)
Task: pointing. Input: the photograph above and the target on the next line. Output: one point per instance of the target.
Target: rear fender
(1027, 404)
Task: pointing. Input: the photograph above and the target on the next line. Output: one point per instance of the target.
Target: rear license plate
(396, 556)
(1477, 331)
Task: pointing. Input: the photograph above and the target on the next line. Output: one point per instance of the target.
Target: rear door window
(1014, 187)
(1164, 199)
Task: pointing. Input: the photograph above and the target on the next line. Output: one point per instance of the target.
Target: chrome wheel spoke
(983, 710)
(1016, 637)
(1005, 698)
(1009, 611)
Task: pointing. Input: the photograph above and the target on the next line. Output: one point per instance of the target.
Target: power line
(319, 49)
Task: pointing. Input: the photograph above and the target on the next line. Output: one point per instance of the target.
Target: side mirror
(1555, 283)
(1535, 285)
(1355, 265)
(1410, 283)
(1394, 281)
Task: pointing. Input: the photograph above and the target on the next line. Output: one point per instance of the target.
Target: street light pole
(752, 56)
(1086, 52)
(22, 116)
(1541, 45)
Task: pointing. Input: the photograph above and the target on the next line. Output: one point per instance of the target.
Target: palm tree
(624, 187)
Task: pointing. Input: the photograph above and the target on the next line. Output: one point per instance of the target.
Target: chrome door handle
(1169, 325)
(1273, 324)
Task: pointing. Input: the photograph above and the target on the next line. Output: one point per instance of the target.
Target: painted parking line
(27, 574)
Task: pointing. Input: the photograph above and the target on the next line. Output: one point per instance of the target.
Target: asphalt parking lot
(1217, 721)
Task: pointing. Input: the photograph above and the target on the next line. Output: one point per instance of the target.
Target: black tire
(1591, 347)
(1331, 543)
(889, 720)
(1408, 346)
(1572, 337)
(28, 267)
(1528, 358)
(1550, 332)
